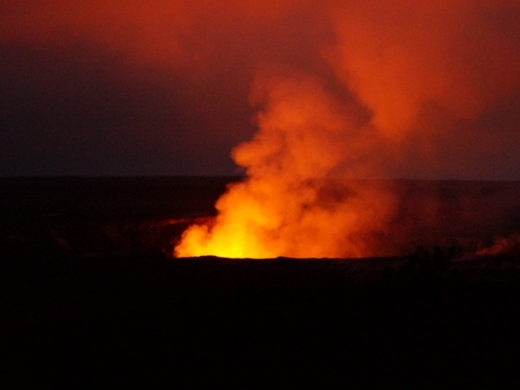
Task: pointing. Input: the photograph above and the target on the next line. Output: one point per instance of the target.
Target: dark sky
(166, 87)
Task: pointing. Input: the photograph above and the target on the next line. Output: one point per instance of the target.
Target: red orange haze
(407, 63)
(342, 91)
(285, 207)
(402, 60)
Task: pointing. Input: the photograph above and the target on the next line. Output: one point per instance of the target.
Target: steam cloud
(349, 89)
(430, 72)
(502, 245)
(409, 64)
(440, 79)
(286, 207)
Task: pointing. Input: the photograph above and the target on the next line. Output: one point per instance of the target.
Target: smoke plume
(420, 69)
(286, 206)
(340, 91)
(502, 246)
(431, 72)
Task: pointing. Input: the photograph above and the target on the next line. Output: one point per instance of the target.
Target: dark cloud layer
(163, 87)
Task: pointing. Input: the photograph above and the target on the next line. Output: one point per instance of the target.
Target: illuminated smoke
(502, 245)
(431, 72)
(286, 207)
(410, 64)
(409, 88)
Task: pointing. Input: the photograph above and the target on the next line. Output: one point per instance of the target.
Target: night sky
(110, 88)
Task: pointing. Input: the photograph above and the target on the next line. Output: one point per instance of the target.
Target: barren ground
(89, 297)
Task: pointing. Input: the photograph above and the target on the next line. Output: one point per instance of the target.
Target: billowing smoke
(290, 204)
(432, 72)
(427, 73)
(502, 246)
(440, 79)
(342, 90)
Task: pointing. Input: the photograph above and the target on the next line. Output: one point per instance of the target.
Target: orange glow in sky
(336, 89)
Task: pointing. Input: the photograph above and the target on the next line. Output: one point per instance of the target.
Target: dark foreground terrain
(89, 297)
